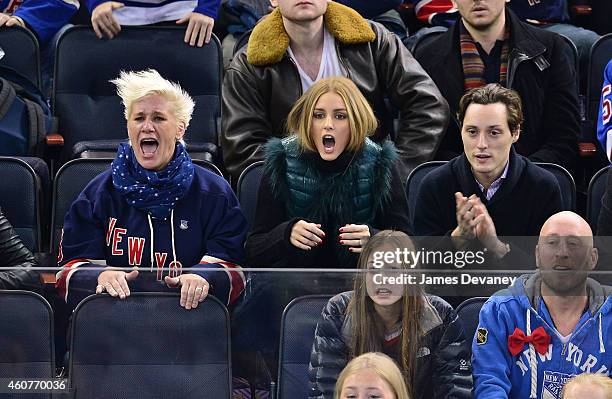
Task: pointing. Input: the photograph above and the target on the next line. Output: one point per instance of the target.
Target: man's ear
(516, 134)
(594, 258)
(537, 257)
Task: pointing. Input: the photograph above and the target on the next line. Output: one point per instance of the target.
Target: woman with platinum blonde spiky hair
(155, 212)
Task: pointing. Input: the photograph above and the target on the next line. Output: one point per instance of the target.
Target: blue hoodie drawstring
(533, 363)
(151, 233)
(172, 232)
(602, 348)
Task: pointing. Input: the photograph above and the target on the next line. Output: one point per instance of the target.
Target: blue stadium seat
(242, 41)
(597, 188)
(89, 110)
(414, 181)
(572, 54)
(601, 53)
(298, 326)
(20, 52)
(69, 181)
(26, 341)
(147, 346)
(247, 189)
(566, 183)
(21, 200)
(468, 312)
(426, 38)
(211, 167)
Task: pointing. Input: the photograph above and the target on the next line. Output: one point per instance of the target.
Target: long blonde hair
(362, 121)
(382, 365)
(367, 331)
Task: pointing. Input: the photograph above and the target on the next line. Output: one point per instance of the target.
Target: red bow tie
(539, 338)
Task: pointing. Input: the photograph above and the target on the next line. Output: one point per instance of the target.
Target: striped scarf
(473, 67)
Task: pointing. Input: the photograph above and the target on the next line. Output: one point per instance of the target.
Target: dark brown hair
(491, 94)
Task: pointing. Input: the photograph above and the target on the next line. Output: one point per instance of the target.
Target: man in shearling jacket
(303, 41)
(490, 44)
(15, 255)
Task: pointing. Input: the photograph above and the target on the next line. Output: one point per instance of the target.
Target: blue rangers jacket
(499, 374)
(604, 119)
(44, 17)
(206, 230)
(146, 12)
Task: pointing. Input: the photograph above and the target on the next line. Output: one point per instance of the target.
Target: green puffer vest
(347, 196)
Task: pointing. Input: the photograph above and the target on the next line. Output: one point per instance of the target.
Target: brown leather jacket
(262, 84)
(22, 275)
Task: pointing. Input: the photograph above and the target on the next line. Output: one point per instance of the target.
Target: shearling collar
(269, 40)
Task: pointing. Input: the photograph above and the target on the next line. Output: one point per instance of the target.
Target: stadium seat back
(148, 346)
(468, 312)
(87, 105)
(69, 181)
(20, 52)
(414, 182)
(21, 200)
(248, 187)
(242, 41)
(427, 37)
(571, 52)
(26, 341)
(597, 188)
(298, 326)
(601, 53)
(211, 167)
(566, 183)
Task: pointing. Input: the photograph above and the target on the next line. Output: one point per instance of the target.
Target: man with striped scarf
(491, 45)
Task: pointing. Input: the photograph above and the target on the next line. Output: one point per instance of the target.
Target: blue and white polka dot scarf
(153, 192)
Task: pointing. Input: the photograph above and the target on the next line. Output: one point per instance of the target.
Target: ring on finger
(199, 288)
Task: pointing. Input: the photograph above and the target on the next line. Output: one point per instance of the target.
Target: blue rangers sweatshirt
(206, 230)
(604, 117)
(146, 12)
(498, 374)
(44, 17)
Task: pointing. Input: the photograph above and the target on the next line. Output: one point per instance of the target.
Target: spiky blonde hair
(133, 86)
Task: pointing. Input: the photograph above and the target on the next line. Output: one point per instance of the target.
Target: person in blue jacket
(548, 326)
(43, 17)
(107, 17)
(154, 213)
(604, 118)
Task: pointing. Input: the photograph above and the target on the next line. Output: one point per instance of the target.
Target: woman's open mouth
(329, 143)
(148, 147)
